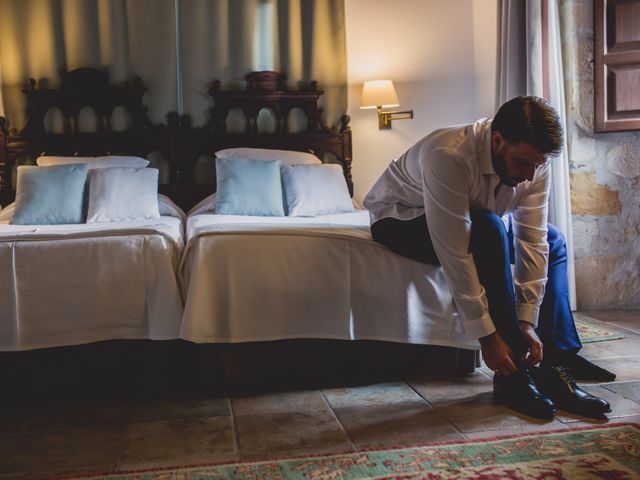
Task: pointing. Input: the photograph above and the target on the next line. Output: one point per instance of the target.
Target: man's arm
(447, 182)
(531, 247)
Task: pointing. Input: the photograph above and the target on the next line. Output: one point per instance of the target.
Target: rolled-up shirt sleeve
(447, 182)
(531, 247)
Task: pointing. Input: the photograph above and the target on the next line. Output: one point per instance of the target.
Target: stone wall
(605, 179)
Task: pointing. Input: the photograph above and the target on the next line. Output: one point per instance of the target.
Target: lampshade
(378, 93)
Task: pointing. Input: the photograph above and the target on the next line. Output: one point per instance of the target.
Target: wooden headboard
(265, 92)
(177, 148)
(81, 91)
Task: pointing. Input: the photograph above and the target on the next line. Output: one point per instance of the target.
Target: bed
(109, 276)
(69, 285)
(220, 303)
(313, 287)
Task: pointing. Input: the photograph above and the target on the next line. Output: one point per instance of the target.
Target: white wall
(441, 57)
(1, 98)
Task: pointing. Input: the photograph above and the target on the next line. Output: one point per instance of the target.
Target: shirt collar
(483, 132)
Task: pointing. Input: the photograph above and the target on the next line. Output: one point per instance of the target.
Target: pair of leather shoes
(557, 383)
(519, 392)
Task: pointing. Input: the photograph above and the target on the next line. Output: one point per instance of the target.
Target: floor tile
(75, 414)
(22, 476)
(597, 350)
(302, 401)
(479, 413)
(171, 442)
(33, 475)
(622, 347)
(629, 319)
(528, 428)
(379, 394)
(10, 446)
(630, 390)
(69, 451)
(395, 424)
(180, 408)
(620, 406)
(290, 434)
(626, 368)
(587, 422)
(446, 389)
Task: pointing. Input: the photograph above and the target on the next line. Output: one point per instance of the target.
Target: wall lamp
(381, 94)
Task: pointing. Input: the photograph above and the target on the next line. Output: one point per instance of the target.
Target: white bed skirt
(309, 278)
(60, 287)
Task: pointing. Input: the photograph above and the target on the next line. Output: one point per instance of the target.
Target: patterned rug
(603, 452)
(590, 333)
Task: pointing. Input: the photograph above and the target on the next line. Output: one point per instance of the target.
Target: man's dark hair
(530, 120)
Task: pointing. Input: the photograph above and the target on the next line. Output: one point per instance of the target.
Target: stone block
(583, 49)
(582, 16)
(623, 159)
(584, 110)
(591, 198)
(582, 149)
(585, 234)
(606, 282)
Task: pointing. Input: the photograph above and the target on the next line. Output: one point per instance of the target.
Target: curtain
(225, 39)
(217, 39)
(530, 63)
(512, 61)
(41, 38)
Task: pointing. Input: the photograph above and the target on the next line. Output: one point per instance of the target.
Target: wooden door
(617, 65)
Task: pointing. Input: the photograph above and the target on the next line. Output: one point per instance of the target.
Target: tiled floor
(68, 438)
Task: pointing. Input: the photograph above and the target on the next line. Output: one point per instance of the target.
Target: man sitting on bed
(474, 199)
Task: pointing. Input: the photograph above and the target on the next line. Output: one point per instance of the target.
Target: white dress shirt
(446, 174)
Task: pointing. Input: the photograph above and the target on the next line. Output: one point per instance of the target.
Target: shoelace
(528, 376)
(566, 375)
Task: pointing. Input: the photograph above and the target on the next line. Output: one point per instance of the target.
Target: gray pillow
(315, 190)
(50, 195)
(120, 194)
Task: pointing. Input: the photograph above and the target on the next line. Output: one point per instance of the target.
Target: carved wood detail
(178, 142)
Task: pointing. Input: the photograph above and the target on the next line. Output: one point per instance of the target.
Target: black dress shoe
(518, 391)
(557, 383)
(583, 369)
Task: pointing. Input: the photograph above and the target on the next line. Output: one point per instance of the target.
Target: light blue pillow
(50, 195)
(248, 187)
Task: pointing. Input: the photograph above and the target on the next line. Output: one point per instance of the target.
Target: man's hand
(535, 345)
(497, 354)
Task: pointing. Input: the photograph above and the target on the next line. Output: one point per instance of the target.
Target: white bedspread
(75, 284)
(263, 278)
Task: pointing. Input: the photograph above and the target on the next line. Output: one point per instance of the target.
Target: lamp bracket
(386, 116)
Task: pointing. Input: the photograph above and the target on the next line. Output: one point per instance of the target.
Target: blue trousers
(491, 245)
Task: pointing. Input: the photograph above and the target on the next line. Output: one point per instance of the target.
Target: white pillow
(315, 190)
(286, 157)
(7, 212)
(167, 208)
(95, 162)
(120, 194)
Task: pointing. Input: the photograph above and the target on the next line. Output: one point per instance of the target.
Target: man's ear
(497, 141)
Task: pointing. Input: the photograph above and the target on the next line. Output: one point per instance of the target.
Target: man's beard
(500, 166)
